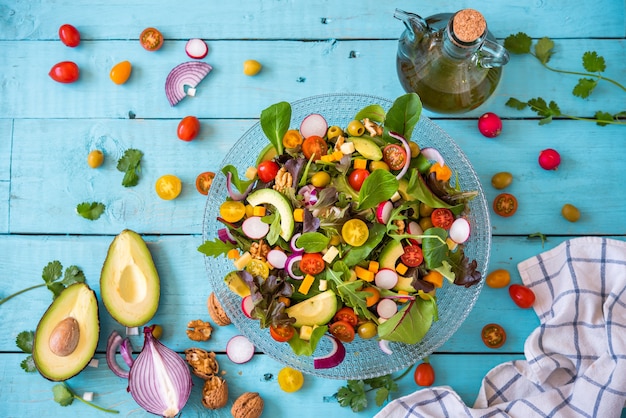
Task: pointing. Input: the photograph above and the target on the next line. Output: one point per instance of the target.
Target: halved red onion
(232, 190)
(188, 74)
(432, 154)
(333, 358)
(384, 346)
(126, 349)
(289, 266)
(407, 149)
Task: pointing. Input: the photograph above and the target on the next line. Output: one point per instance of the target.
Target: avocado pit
(64, 337)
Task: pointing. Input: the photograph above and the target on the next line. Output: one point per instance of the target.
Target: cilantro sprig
(594, 66)
(91, 211)
(64, 396)
(24, 342)
(54, 279)
(130, 165)
(354, 394)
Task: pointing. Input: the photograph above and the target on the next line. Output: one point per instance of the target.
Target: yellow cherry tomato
(251, 67)
(257, 267)
(355, 232)
(290, 380)
(320, 179)
(168, 187)
(232, 211)
(292, 138)
(498, 278)
(95, 158)
(121, 72)
(356, 128)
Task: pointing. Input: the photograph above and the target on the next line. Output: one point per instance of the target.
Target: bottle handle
(492, 55)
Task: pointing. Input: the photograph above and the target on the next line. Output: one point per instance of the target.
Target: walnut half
(203, 363)
(199, 330)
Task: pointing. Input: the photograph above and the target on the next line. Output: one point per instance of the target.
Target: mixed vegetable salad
(344, 230)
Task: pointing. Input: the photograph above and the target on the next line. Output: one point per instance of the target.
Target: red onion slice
(112, 344)
(333, 358)
(232, 191)
(186, 74)
(384, 346)
(289, 266)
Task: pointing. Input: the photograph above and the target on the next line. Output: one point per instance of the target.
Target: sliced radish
(313, 125)
(196, 48)
(333, 358)
(383, 211)
(432, 154)
(386, 278)
(384, 346)
(415, 229)
(247, 305)
(386, 308)
(255, 228)
(277, 258)
(460, 230)
(225, 236)
(239, 349)
(290, 264)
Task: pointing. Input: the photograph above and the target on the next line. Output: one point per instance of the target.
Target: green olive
(356, 128)
(570, 212)
(320, 179)
(501, 180)
(425, 210)
(415, 149)
(367, 330)
(334, 132)
(425, 223)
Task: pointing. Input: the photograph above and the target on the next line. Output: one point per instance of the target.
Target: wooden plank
(311, 68)
(64, 145)
(6, 140)
(277, 19)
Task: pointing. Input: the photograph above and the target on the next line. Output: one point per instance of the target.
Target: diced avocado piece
(390, 254)
(282, 206)
(367, 148)
(129, 281)
(317, 310)
(67, 334)
(405, 284)
(236, 284)
(266, 154)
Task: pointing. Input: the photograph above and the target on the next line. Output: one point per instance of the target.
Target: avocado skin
(42, 355)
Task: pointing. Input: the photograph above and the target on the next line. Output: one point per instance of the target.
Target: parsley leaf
(28, 364)
(543, 49)
(593, 62)
(91, 210)
(548, 111)
(604, 116)
(518, 44)
(354, 394)
(130, 165)
(24, 341)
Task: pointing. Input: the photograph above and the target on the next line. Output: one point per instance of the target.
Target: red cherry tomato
(312, 263)
(188, 128)
(314, 145)
(69, 35)
(282, 333)
(267, 171)
(424, 374)
(204, 181)
(348, 315)
(64, 72)
(343, 331)
(395, 156)
(442, 218)
(521, 295)
(412, 256)
(357, 177)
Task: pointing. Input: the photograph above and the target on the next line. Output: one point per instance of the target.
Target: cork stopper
(468, 25)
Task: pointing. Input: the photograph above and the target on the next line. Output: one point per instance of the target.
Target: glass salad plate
(364, 358)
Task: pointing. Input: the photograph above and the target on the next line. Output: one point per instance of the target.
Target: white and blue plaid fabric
(575, 360)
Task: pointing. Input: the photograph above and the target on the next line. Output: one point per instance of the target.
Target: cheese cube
(347, 148)
(330, 254)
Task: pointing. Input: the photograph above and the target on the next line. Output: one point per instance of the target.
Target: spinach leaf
(435, 250)
(306, 348)
(377, 187)
(358, 254)
(275, 122)
(274, 233)
(403, 115)
(240, 184)
(411, 323)
(373, 112)
(312, 242)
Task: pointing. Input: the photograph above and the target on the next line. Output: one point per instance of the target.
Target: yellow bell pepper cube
(258, 211)
(401, 268)
(373, 266)
(359, 163)
(328, 158)
(249, 211)
(298, 215)
(337, 155)
(434, 277)
(305, 286)
(364, 274)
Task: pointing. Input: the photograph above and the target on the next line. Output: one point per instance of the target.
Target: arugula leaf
(411, 323)
(584, 87)
(240, 184)
(24, 341)
(543, 49)
(519, 43)
(403, 115)
(215, 248)
(91, 210)
(373, 112)
(130, 165)
(275, 122)
(349, 292)
(379, 186)
(312, 242)
(593, 62)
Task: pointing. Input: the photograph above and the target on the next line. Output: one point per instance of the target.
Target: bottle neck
(458, 49)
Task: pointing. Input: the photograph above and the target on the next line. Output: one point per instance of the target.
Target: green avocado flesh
(67, 335)
(129, 282)
(317, 310)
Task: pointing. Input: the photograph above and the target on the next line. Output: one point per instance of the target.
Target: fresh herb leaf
(379, 186)
(593, 62)
(73, 275)
(306, 348)
(353, 395)
(584, 87)
(91, 210)
(313, 242)
(130, 165)
(241, 185)
(215, 248)
(52, 271)
(373, 112)
(349, 292)
(547, 111)
(516, 104)
(64, 396)
(539, 235)
(24, 341)
(28, 364)
(604, 118)
(519, 43)
(403, 115)
(411, 323)
(543, 49)
(275, 122)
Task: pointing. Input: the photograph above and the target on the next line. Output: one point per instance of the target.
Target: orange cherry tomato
(312, 263)
(204, 181)
(292, 138)
(188, 128)
(505, 204)
(424, 374)
(64, 72)
(374, 296)
(343, 331)
(282, 333)
(498, 278)
(493, 335)
(442, 218)
(348, 315)
(314, 145)
(395, 156)
(151, 39)
(69, 35)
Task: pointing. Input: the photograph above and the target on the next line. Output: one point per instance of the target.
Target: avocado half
(67, 334)
(129, 282)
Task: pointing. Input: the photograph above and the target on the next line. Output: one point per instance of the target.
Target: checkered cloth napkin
(575, 360)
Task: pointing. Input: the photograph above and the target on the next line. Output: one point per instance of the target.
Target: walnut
(259, 250)
(203, 364)
(218, 315)
(372, 127)
(399, 223)
(248, 405)
(283, 180)
(199, 330)
(340, 141)
(215, 393)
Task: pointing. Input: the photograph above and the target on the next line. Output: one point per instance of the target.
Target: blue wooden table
(306, 48)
